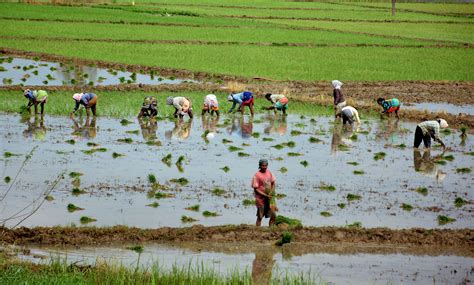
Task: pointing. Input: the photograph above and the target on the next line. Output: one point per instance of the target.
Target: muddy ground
(70, 236)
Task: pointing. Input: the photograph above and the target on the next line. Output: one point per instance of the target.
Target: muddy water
(333, 265)
(443, 107)
(117, 187)
(15, 71)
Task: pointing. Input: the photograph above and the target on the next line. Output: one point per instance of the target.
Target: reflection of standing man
(262, 266)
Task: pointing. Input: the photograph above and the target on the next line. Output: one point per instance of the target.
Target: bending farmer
(149, 107)
(349, 114)
(427, 130)
(182, 106)
(211, 105)
(243, 99)
(263, 184)
(88, 100)
(339, 100)
(34, 98)
(389, 106)
(279, 102)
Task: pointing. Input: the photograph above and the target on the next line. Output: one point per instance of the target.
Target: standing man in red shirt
(263, 184)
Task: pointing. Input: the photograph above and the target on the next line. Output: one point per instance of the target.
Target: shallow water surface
(118, 190)
(443, 107)
(15, 71)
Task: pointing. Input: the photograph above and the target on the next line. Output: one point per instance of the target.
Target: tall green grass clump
(282, 220)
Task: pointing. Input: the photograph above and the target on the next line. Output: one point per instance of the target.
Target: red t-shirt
(262, 181)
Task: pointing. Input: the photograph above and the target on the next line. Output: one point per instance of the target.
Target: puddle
(443, 107)
(118, 189)
(16, 71)
(333, 265)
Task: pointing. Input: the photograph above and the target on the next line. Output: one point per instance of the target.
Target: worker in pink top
(263, 184)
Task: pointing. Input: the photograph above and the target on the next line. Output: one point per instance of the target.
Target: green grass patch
(72, 208)
(355, 225)
(283, 169)
(186, 219)
(218, 191)
(288, 221)
(137, 248)
(443, 220)
(87, 220)
(242, 154)
(209, 214)
(353, 163)
(358, 172)
(286, 237)
(422, 190)
(341, 205)
(194, 208)
(77, 191)
(459, 202)
(352, 197)
(325, 187)
(406, 207)
(463, 170)
(153, 205)
(325, 214)
(379, 155)
(125, 122)
(248, 202)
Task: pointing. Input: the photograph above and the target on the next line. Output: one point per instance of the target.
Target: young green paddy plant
(134, 132)
(186, 219)
(379, 155)
(352, 197)
(225, 169)
(117, 155)
(77, 191)
(248, 202)
(443, 220)
(354, 163)
(406, 207)
(355, 225)
(71, 141)
(459, 202)
(329, 188)
(7, 179)
(8, 154)
(194, 208)
(153, 205)
(325, 214)
(314, 140)
(243, 154)
(422, 190)
(286, 237)
(167, 159)
(283, 169)
(463, 170)
(234, 148)
(358, 172)
(125, 140)
(72, 208)
(294, 154)
(341, 205)
(218, 191)
(86, 220)
(181, 181)
(209, 214)
(304, 163)
(288, 221)
(74, 174)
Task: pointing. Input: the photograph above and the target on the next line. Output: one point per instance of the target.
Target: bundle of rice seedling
(289, 221)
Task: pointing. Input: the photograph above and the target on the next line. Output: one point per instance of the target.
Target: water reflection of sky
(31, 72)
(443, 107)
(117, 186)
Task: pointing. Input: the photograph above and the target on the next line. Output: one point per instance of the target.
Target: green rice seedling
(194, 208)
(294, 154)
(352, 197)
(122, 79)
(225, 169)
(35, 72)
(343, 147)
(295, 133)
(278, 146)
(243, 154)
(446, 131)
(288, 221)
(125, 140)
(312, 120)
(463, 170)
(268, 139)
(45, 82)
(125, 122)
(101, 79)
(181, 181)
(73, 174)
(50, 77)
(92, 144)
(117, 155)
(167, 160)
(325, 214)
(283, 169)
(72, 208)
(406, 207)
(209, 214)
(286, 237)
(226, 141)
(422, 190)
(77, 191)
(449, 157)
(71, 141)
(440, 161)
(279, 158)
(218, 191)
(76, 182)
(101, 149)
(49, 198)
(379, 155)
(304, 163)
(154, 143)
(133, 76)
(353, 137)
(471, 153)
(8, 154)
(161, 195)
(137, 248)
(151, 178)
(355, 225)
(353, 163)
(401, 145)
(314, 140)
(280, 196)
(248, 202)
(86, 220)
(150, 193)
(459, 202)
(358, 172)
(246, 144)
(2, 69)
(88, 151)
(300, 125)
(256, 135)
(234, 148)
(443, 220)
(463, 129)
(7, 179)
(73, 81)
(153, 205)
(290, 144)
(325, 187)
(341, 205)
(186, 219)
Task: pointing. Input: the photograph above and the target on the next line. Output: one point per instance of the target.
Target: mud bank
(65, 236)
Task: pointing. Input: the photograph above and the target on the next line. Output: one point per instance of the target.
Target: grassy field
(241, 38)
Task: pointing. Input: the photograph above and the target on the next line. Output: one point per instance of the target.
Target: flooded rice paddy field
(115, 189)
(30, 72)
(331, 264)
(442, 107)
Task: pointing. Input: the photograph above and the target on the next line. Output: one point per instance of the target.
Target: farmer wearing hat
(339, 100)
(88, 100)
(349, 114)
(149, 107)
(211, 105)
(389, 106)
(182, 106)
(243, 99)
(279, 102)
(36, 97)
(427, 130)
(263, 184)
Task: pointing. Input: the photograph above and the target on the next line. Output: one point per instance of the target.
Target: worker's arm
(233, 106)
(260, 192)
(356, 115)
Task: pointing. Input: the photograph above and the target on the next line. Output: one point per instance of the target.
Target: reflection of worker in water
(87, 100)
(276, 125)
(182, 106)
(209, 123)
(210, 106)
(427, 130)
(241, 127)
(35, 129)
(148, 127)
(426, 165)
(262, 266)
(279, 102)
(181, 130)
(149, 107)
(85, 130)
(263, 184)
(35, 98)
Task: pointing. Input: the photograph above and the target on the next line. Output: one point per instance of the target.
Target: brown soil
(59, 236)
(361, 95)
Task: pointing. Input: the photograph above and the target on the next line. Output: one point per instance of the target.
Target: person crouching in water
(182, 106)
(243, 99)
(279, 102)
(427, 130)
(149, 107)
(211, 105)
(88, 100)
(34, 98)
(263, 184)
(389, 106)
(349, 114)
(339, 100)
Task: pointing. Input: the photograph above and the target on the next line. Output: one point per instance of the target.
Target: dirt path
(59, 236)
